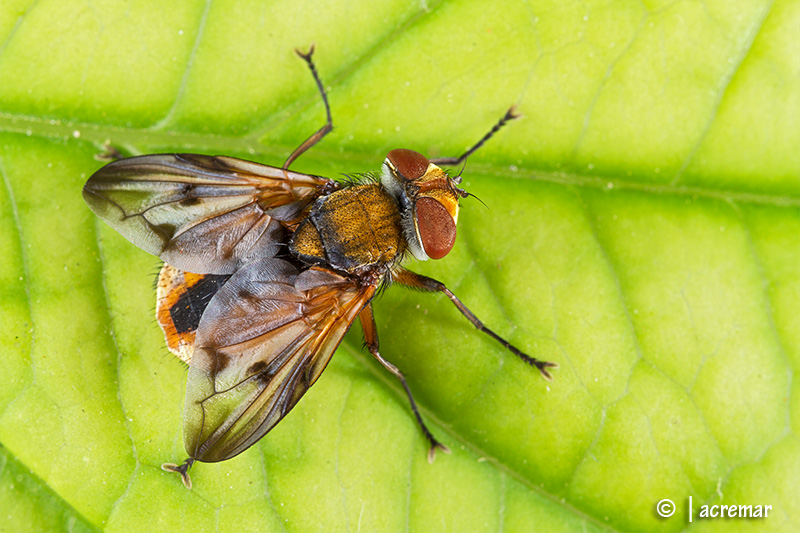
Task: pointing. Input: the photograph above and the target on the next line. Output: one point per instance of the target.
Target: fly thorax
(351, 229)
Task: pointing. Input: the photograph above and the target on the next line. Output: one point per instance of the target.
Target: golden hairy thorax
(350, 229)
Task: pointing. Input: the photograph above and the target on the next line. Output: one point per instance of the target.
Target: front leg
(371, 340)
(418, 281)
(510, 115)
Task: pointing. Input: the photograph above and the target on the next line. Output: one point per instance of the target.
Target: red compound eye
(437, 229)
(410, 165)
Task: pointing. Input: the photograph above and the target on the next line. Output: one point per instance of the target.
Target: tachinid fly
(266, 269)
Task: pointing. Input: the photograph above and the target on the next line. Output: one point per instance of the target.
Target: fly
(266, 269)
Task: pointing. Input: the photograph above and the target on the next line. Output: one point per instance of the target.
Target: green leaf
(642, 231)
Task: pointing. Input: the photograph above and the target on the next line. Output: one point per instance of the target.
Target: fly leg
(417, 281)
(109, 153)
(324, 130)
(510, 115)
(182, 469)
(371, 340)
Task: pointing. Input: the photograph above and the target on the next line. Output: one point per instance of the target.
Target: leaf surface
(642, 231)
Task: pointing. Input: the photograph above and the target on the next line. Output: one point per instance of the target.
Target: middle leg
(424, 283)
(371, 340)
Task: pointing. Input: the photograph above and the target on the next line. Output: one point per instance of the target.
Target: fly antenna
(473, 196)
(457, 178)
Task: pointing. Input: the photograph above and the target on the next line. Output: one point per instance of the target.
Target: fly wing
(199, 213)
(263, 340)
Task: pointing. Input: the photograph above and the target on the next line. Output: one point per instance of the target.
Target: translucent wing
(199, 213)
(263, 340)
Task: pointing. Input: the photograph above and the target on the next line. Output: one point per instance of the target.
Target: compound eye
(437, 229)
(410, 165)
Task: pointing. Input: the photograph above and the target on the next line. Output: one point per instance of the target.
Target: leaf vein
(109, 320)
(587, 116)
(769, 308)
(302, 105)
(340, 425)
(725, 84)
(26, 274)
(160, 125)
(267, 493)
(17, 25)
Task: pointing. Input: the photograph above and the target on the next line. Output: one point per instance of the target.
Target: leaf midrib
(130, 139)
